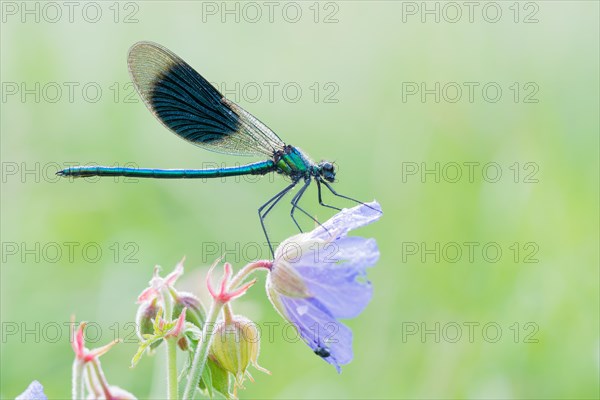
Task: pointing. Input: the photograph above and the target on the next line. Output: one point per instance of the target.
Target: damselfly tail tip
(63, 172)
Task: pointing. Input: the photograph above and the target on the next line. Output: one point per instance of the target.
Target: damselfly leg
(271, 203)
(321, 198)
(328, 186)
(295, 206)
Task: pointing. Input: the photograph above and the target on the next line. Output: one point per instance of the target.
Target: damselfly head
(327, 171)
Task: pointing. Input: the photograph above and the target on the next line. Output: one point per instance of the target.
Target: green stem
(77, 380)
(172, 386)
(168, 301)
(247, 270)
(92, 382)
(202, 350)
(201, 353)
(227, 314)
(101, 378)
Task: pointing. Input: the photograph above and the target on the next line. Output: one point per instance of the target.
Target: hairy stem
(172, 387)
(247, 270)
(101, 379)
(227, 314)
(202, 351)
(77, 380)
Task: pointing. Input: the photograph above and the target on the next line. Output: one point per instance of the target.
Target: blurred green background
(444, 322)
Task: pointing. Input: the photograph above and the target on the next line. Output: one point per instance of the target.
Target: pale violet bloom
(319, 277)
(35, 391)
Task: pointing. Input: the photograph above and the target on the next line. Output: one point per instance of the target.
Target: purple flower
(35, 391)
(320, 276)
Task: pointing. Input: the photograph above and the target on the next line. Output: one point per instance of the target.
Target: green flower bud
(235, 346)
(195, 311)
(144, 318)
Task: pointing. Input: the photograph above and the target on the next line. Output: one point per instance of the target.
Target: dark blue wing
(192, 108)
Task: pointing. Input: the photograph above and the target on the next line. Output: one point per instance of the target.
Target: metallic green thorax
(291, 161)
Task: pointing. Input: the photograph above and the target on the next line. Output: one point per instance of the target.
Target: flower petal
(175, 274)
(347, 219)
(147, 294)
(35, 391)
(320, 330)
(177, 330)
(78, 341)
(333, 268)
(339, 279)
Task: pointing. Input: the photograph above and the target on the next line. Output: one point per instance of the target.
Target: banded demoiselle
(188, 105)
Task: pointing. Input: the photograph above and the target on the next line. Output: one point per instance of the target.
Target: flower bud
(145, 318)
(235, 346)
(195, 311)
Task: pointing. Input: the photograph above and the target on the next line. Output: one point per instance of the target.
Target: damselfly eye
(327, 171)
